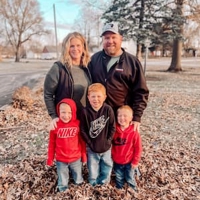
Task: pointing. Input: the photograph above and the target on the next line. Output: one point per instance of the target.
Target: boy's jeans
(125, 173)
(63, 173)
(99, 167)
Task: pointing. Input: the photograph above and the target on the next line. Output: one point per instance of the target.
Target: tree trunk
(164, 51)
(17, 56)
(139, 51)
(17, 53)
(0, 55)
(177, 44)
(176, 56)
(139, 46)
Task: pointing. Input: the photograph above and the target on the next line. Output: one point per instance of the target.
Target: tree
(22, 20)
(160, 21)
(135, 18)
(177, 27)
(88, 22)
(182, 8)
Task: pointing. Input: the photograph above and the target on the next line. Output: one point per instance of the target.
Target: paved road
(14, 75)
(27, 72)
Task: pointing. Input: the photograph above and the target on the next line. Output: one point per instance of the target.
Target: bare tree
(97, 4)
(192, 31)
(88, 24)
(89, 21)
(22, 20)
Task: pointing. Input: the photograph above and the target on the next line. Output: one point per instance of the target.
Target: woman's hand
(53, 124)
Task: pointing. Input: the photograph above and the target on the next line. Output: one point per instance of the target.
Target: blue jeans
(63, 173)
(124, 173)
(99, 167)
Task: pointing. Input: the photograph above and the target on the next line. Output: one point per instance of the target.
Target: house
(33, 54)
(50, 52)
(130, 46)
(6, 51)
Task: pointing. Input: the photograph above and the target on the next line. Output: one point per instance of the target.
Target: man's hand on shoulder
(136, 126)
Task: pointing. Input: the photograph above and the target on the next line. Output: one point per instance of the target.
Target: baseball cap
(112, 27)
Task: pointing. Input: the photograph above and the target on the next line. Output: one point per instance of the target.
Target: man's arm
(140, 92)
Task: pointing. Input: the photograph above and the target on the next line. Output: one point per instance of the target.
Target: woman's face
(76, 49)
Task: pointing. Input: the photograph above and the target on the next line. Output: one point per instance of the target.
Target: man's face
(112, 43)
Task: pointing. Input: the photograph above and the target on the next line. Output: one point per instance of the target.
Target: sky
(65, 14)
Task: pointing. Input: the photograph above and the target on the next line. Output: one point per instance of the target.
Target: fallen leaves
(171, 141)
(22, 98)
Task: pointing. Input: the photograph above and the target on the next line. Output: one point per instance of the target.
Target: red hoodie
(126, 146)
(65, 143)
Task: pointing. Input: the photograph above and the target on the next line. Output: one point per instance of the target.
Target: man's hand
(53, 124)
(136, 126)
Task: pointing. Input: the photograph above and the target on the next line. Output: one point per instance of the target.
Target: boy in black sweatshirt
(97, 130)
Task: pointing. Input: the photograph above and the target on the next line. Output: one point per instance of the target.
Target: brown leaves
(170, 160)
(29, 177)
(32, 179)
(22, 98)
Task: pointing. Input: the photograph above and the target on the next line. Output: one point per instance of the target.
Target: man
(121, 73)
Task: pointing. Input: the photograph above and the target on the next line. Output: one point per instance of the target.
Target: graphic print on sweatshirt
(119, 141)
(67, 132)
(97, 126)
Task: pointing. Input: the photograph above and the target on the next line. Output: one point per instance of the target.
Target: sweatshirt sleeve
(137, 149)
(50, 86)
(51, 148)
(83, 150)
(112, 125)
(85, 128)
(140, 91)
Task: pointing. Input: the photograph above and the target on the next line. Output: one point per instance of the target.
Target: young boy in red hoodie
(66, 145)
(126, 148)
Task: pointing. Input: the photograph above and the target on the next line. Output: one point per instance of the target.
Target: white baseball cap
(112, 27)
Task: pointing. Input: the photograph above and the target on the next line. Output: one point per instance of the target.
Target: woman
(69, 77)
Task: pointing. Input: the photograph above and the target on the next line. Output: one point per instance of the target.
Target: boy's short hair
(125, 107)
(64, 104)
(96, 87)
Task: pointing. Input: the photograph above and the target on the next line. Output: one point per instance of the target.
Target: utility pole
(54, 11)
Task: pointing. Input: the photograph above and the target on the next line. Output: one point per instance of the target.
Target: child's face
(124, 117)
(96, 99)
(65, 112)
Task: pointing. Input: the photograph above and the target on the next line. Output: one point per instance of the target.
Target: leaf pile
(22, 98)
(170, 132)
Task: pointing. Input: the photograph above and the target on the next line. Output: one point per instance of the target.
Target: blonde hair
(125, 107)
(65, 56)
(96, 87)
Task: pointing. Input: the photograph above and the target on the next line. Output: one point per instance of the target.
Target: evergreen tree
(161, 21)
(136, 19)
